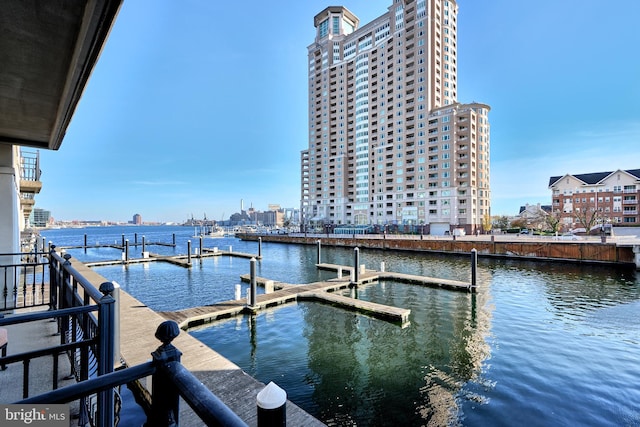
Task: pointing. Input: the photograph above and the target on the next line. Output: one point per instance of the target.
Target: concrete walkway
(27, 337)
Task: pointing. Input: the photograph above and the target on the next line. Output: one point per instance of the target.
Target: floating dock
(318, 291)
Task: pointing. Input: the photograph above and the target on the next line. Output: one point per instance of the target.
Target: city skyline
(184, 114)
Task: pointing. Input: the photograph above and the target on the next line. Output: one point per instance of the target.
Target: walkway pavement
(32, 336)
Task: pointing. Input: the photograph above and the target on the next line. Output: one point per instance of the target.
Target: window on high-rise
(324, 28)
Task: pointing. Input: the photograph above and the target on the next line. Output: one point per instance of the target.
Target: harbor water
(540, 344)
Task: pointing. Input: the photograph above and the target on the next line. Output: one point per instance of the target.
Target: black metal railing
(22, 279)
(86, 325)
(170, 380)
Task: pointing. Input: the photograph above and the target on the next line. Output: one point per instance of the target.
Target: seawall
(527, 248)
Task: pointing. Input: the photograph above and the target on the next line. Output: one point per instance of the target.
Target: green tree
(519, 223)
(501, 222)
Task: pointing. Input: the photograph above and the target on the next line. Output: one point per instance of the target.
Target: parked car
(524, 231)
(568, 236)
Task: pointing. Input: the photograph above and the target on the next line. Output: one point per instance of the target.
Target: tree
(501, 222)
(519, 223)
(486, 223)
(587, 217)
(553, 221)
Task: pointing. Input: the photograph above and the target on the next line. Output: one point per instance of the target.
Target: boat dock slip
(426, 281)
(320, 291)
(380, 311)
(180, 260)
(335, 267)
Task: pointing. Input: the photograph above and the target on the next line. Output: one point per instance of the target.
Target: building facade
(388, 141)
(40, 217)
(593, 199)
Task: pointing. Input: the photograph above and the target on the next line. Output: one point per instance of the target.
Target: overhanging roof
(47, 52)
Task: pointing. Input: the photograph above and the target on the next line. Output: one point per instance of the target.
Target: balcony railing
(86, 319)
(29, 165)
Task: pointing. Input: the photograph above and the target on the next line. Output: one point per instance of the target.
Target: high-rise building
(388, 141)
(39, 217)
(137, 219)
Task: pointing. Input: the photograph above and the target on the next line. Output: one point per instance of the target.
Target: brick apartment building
(612, 197)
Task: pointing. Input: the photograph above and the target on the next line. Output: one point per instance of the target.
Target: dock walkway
(317, 291)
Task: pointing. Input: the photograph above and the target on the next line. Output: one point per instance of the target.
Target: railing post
(106, 337)
(165, 397)
(53, 280)
(62, 299)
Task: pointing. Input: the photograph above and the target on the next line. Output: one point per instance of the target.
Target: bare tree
(553, 221)
(501, 222)
(587, 217)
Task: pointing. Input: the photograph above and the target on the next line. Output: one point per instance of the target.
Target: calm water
(539, 345)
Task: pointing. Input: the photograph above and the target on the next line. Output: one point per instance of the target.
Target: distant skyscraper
(388, 141)
(137, 219)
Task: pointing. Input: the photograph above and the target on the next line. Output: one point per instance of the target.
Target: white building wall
(12, 218)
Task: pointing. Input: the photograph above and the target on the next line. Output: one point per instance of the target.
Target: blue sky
(196, 105)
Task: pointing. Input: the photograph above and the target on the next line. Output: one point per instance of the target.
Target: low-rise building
(592, 199)
(534, 216)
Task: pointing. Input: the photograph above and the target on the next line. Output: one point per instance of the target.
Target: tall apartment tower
(388, 142)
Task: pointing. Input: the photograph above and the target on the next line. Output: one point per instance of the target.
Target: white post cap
(271, 397)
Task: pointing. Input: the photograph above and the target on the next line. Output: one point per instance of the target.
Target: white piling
(238, 294)
(268, 286)
(382, 266)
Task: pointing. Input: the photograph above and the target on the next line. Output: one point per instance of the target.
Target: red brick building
(596, 198)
